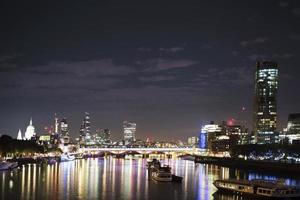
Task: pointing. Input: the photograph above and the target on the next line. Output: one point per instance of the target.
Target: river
(111, 178)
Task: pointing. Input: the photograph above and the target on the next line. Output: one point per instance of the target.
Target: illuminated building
(64, 131)
(208, 134)
(265, 102)
(85, 130)
(129, 129)
(56, 125)
(238, 134)
(216, 137)
(292, 132)
(19, 135)
(106, 136)
(102, 137)
(293, 126)
(45, 140)
(30, 131)
(193, 141)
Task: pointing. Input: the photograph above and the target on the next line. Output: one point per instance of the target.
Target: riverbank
(259, 166)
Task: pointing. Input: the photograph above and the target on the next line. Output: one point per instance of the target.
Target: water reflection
(111, 178)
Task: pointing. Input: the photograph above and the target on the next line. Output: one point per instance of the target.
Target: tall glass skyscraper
(85, 130)
(265, 102)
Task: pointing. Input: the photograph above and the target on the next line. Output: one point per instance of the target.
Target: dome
(30, 131)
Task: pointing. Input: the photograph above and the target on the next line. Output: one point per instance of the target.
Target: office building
(64, 131)
(208, 134)
(85, 130)
(193, 141)
(129, 129)
(292, 132)
(265, 102)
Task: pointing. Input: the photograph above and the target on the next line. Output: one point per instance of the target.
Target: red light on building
(231, 122)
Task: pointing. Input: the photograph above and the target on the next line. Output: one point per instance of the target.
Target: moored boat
(66, 157)
(177, 179)
(258, 188)
(78, 156)
(5, 165)
(162, 174)
(51, 161)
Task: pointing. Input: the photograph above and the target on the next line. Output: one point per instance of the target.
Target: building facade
(193, 141)
(208, 135)
(129, 129)
(292, 132)
(64, 131)
(293, 126)
(85, 130)
(265, 102)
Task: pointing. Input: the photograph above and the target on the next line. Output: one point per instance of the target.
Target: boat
(258, 188)
(5, 165)
(154, 164)
(78, 156)
(163, 174)
(177, 179)
(51, 161)
(66, 157)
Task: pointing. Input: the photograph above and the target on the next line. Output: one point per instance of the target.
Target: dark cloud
(296, 11)
(294, 37)
(169, 66)
(161, 64)
(156, 78)
(283, 4)
(259, 40)
(171, 49)
(275, 56)
(103, 67)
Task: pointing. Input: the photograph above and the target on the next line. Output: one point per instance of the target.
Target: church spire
(19, 135)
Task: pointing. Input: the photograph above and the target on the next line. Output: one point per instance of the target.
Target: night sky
(170, 67)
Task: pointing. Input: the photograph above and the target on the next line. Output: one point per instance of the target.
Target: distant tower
(19, 135)
(85, 130)
(64, 128)
(129, 129)
(30, 131)
(265, 102)
(56, 124)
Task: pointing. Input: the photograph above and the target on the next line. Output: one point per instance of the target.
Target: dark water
(111, 178)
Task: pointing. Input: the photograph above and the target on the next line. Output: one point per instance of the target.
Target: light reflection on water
(110, 178)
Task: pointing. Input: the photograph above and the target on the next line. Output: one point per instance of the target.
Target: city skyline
(170, 68)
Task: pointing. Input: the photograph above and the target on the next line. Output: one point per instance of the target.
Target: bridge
(143, 150)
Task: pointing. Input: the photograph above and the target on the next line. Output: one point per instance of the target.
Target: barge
(259, 188)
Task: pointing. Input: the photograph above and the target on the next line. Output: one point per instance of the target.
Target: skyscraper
(106, 136)
(265, 102)
(129, 129)
(64, 128)
(56, 125)
(85, 130)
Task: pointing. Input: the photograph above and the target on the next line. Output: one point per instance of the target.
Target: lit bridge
(124, 150)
